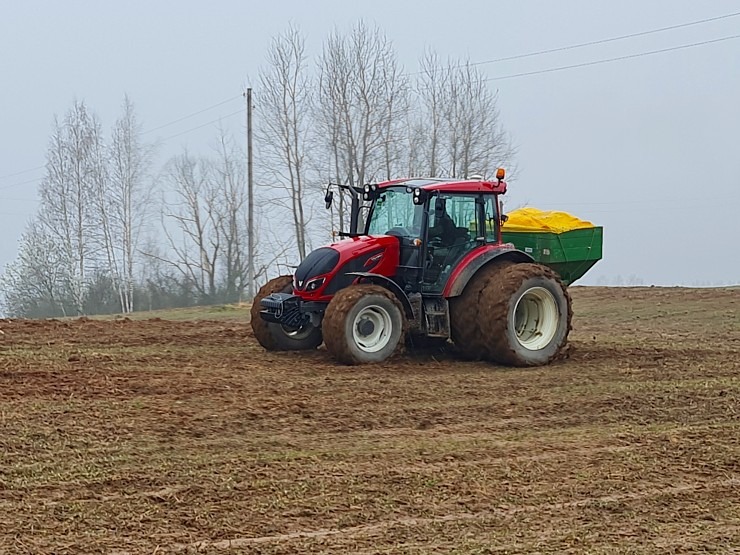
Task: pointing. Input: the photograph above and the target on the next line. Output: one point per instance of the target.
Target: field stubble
(160, 436)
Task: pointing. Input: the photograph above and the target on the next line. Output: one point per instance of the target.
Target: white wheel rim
(298, 334)
(371, 329)
(536, 318)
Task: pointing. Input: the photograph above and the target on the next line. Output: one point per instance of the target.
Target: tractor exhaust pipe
(354, 218)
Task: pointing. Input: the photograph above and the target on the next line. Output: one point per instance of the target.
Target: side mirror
(439, 207)
(328, 198)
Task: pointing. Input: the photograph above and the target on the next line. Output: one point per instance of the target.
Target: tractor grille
(284, 309)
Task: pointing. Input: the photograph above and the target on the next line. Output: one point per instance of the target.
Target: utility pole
(250, 200)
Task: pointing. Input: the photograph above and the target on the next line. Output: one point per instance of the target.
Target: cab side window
(453, 220)
(464, 215)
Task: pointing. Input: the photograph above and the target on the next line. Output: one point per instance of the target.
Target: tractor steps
(436, 316)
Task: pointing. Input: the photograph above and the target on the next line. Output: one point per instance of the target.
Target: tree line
(115, 234)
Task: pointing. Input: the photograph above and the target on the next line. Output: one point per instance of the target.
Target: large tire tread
(335, 317)
(494, 302)
(466, 314)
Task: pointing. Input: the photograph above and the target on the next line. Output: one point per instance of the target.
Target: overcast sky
(648, 147)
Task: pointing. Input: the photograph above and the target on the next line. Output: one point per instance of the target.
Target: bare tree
(89, 211)
(283, 107)
(32, 285)
(230, 217)
(195, 243)
(362, 101)
(432, 90)
(464, 131)
(67, 192)
(127, 200)
(205, 222)
(333, 91)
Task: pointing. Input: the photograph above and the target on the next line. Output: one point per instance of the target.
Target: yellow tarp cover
(534, 219)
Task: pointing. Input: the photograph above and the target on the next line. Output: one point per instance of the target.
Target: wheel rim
(536, 318)
(371, 329)
(298, 333)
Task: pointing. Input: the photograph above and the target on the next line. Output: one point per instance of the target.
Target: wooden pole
(250, 200)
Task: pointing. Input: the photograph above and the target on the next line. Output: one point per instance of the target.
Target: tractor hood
(328, 269)
(319, 262)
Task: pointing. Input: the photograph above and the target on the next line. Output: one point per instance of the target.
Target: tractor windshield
(394, 210)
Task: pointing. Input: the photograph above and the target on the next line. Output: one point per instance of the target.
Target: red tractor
(427, 264)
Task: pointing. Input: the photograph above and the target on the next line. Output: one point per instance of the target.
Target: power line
(604, 41)
(173, 122)
(22, 172)
(592, 43)
(178, 120)
(19, 199)
(202, 125)
(161, 140)
(4, 187)
(608, 60)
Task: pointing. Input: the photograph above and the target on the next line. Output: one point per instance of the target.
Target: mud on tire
(466, 315)
(274, 337)
(363, 324)
(526, 315)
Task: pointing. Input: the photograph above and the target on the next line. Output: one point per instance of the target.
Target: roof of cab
(448, 185)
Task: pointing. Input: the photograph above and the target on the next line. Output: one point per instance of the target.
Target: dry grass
(182, 437)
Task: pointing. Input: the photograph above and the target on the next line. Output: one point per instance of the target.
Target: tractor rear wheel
(527, 315)
(363, 324)
(275, 337)
(466, 314)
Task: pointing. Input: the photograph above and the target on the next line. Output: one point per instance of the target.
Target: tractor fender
(388, 283)
(475, 261)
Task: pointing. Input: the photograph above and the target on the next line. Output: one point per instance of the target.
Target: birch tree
(66, 194)
(128, 200)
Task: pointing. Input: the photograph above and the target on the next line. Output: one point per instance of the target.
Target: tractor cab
(437, 223)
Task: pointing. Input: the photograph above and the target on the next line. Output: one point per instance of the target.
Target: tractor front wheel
(275, 337)
(363, 324)
(527, 315)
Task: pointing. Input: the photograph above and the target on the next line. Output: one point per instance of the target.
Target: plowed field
(160, 436)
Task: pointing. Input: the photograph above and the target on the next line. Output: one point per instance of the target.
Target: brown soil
(181, 437)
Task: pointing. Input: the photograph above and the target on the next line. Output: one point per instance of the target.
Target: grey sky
(646, 147)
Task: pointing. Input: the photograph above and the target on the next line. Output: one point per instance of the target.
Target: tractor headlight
(314, 284)
(366, 188)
